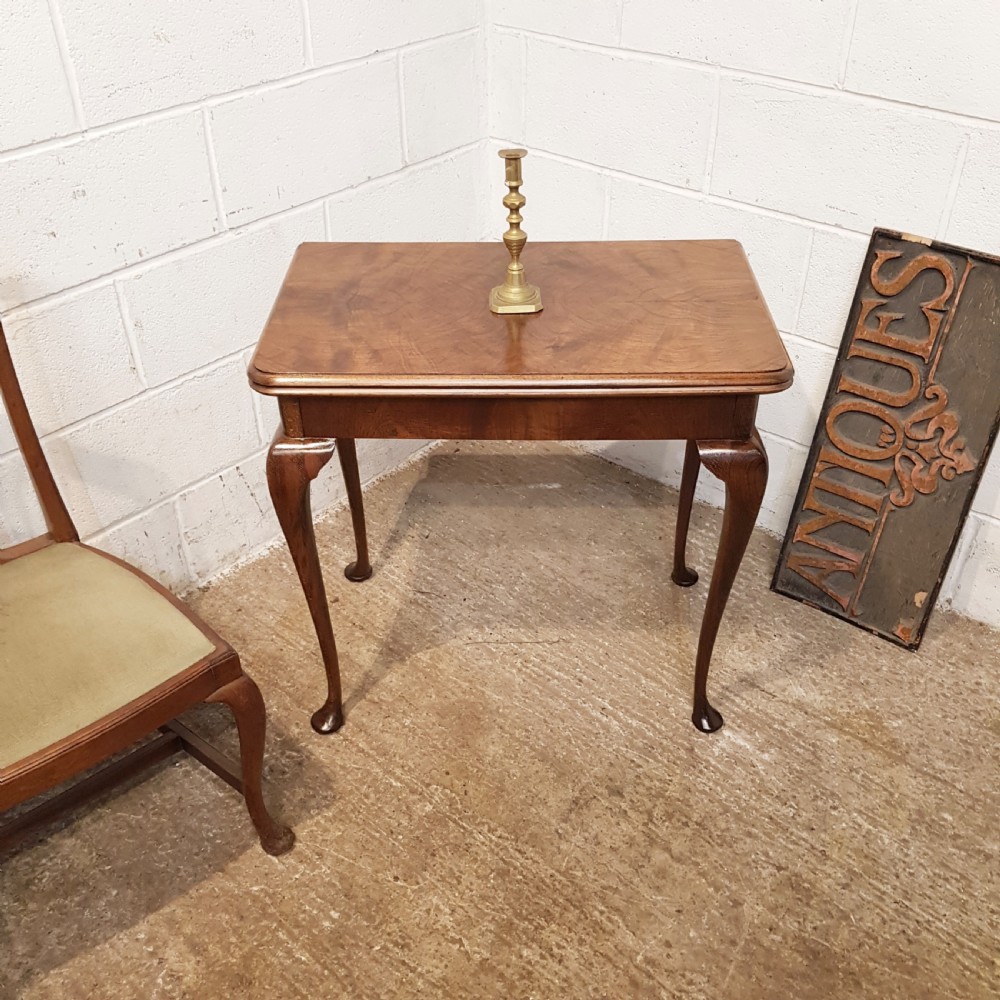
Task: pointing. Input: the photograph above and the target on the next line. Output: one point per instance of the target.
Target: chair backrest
(57, 519)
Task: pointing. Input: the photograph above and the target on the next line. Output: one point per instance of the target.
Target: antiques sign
(903, 438)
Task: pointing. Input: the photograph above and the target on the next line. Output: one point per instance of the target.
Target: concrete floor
(518, 805)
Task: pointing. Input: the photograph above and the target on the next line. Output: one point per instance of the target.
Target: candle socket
(515, 295)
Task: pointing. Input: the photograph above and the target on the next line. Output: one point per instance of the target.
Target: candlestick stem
(515, 295)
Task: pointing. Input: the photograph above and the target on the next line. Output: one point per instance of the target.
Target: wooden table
(644, 341)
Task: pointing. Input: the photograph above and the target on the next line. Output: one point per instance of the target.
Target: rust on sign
(909, 419)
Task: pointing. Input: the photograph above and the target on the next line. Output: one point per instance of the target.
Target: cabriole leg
(681, 575)
(244, 700)
(292, 464)
(742, 466)
(361, 568)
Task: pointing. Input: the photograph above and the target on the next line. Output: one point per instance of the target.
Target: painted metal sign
(909, 419)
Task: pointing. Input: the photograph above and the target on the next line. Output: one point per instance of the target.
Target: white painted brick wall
(794, 126)
(159, 162)
(975, 212)
(583, 20)
(158, 165)
(40, 106)
(834, 267)
(623, 111)
(449, 67)
(152, 540)
(442, 196)
(53, 344)
(505, 67)
(150, 447)
(290, 145)
(833, 158)
(798, 39)
(349, 29)
(82, 209)
(154, 55)
(933, 54)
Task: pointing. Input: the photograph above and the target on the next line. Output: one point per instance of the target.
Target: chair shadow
(123, 856)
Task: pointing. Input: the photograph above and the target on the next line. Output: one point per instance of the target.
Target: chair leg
(244, 700)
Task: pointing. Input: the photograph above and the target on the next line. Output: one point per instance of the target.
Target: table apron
(524, 418)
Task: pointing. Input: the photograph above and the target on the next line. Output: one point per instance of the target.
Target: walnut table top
(684, 316)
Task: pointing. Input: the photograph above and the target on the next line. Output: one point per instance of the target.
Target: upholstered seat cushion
(80, 636)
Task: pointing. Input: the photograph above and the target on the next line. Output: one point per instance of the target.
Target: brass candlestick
(515, 295)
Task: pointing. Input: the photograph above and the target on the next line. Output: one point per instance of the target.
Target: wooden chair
(94, 656)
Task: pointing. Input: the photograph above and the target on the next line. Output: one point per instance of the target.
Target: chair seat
(80, 637)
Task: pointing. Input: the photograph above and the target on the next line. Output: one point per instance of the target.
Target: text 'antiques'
(908, 421)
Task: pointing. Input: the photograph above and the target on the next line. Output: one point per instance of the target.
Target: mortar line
(186, 557)
(213, 169)
(983, 516)
(696, 194)
(785, 440)
(524, 88)
(327, 221)
(956, 178)
(846, 44)
(805, 278)
(606, 214)
(706, 186)
(121, 522)
(807, 342)
(402, 108)
(133, 343)
(69, 70)
(307, 43)
(149, 393)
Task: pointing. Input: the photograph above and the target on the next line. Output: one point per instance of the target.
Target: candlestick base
(506, 300)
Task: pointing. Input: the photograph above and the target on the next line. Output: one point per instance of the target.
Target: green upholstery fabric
(80, 636)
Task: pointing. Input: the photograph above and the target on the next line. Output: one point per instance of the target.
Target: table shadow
(481, 541)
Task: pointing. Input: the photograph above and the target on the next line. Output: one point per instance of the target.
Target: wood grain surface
(664, 316)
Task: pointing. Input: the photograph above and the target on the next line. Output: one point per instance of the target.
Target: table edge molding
(269, 384)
